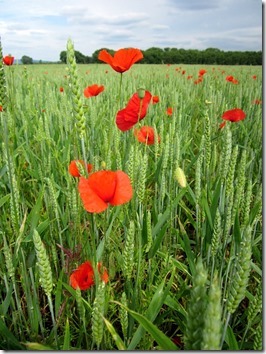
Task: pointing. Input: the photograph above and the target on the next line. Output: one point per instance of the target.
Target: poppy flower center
(103, 183)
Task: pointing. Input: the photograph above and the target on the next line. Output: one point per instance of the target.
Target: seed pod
(128, 254)
(212, 319)
(97, 314)
(226, 153)
(124, 315)
(43, 264)
(258, 340)
(180, 177)
(239, 279)
(255, 306)
(207, 144)
(196, 309)
(217, 234)
(74, 85)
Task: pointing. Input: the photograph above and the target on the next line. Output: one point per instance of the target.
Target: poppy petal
(83, 277)
(103, 183)
(125, 58)
(91, 201)
(121, 121)
(234, 115)
(105, 57)
(123, 191)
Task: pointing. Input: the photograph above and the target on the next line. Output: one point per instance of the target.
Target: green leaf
(118, 341)
(230, 339)
(66, 345)
(164, 342)
(159, 230)
(11, 339)
(153, 309)
(4, 199)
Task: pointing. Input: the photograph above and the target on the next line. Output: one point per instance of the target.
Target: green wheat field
(183, 256)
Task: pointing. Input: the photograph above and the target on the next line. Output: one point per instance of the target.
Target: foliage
(26, 60)
(154, 55)
(184, 260)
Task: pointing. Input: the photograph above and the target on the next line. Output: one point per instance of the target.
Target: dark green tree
(63, 56)
(153, 55)
(26, 60)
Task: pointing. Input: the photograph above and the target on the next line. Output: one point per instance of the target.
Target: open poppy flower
(93, 90)
(255, 102)
(135, 111)
(202, 72)
(169, 111)
(234, 115)
(8, 60)
(155, 99)
(122, 60)
(61, 89)
(229, 78)
(145, 135)
(1, 108)
(83, 276)
(104, 187)
(73, 168)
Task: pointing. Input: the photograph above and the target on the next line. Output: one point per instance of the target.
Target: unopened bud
(180, 177)
(141, 93)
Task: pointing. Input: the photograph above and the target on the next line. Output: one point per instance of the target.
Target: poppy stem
(140, 109)
(120, 90)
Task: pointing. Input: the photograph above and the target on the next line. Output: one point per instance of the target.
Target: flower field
(131, 205)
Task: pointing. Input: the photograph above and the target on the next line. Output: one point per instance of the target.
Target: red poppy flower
(200, 79)
(1, 108)
(103, 187)
(229, 78)
(202, 72)
(8, 60)
(169, 111)
(234, 115)
(122, 60)
(145, 135)
(183, 72)
(131, 114)
(235, 81)
(255, 101)
(93, 90)
(189, 77)
(155, 99)
(73, 168)
(61, 89)
(254, 77)
(83, 277)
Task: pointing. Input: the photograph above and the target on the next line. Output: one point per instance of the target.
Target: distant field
(184, 262)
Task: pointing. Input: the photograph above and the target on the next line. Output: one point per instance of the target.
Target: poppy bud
(141, 93)
(180, 177)
(103, 164)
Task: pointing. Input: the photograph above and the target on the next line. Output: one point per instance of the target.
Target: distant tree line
(154, 55)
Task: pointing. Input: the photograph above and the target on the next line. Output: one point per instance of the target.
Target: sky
(40, 28)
